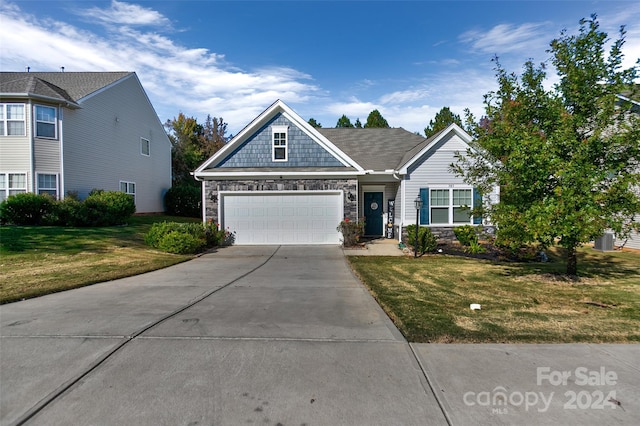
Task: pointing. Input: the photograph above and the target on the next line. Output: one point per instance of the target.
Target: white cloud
(177, 78)
(504, 38)
(126, 14)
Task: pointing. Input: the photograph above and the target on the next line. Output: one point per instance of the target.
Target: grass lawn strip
(40, 260)
(429, 298)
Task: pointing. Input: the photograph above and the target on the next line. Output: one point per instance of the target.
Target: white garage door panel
(303, 218)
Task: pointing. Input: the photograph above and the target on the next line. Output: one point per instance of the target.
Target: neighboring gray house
(281, 181)
(66, 132)
(634, 239)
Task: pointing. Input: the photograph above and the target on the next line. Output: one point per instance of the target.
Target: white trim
(219, 175)
(135, 188)
(203, 207)
(280, 130)
(26, 181)
(6, 120)
(57, 188)
(61, 141)
(450, 206)
(148, 146)
(36, 121)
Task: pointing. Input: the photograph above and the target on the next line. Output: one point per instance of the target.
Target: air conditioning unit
(604, 243)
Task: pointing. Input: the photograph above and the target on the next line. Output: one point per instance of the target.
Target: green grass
(37, 260)
(428, 298)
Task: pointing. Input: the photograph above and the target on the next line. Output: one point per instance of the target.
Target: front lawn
(37, 260)
(429, 298)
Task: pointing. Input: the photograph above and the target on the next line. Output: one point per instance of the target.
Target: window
(45, 122)
(280, 134)
(439, 206)
(128, 188)
(12, 120)
(447, 206)
(48, 184)
(11, 184)
(145, 147)
(462, 202)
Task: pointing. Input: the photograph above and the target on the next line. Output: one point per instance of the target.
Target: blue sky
(324, 59)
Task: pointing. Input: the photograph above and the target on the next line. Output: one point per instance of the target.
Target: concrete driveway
(281, 336)
(247, 335)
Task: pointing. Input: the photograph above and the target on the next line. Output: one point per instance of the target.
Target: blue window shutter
(424, 211)
(477, 201)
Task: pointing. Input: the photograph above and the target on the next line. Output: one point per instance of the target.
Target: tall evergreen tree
(443, 118)
(375, 119)
(344, 122)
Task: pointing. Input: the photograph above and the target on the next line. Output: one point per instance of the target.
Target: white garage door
(283, 218)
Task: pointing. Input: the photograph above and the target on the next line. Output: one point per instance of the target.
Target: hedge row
(100, 208)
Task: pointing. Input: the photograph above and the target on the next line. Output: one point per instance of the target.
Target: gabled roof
(69, 87)
(415, 154)
(277, 107)
(377, 149)
(381, 150)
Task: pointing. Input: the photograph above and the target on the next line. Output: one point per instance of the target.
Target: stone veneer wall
(346, 185)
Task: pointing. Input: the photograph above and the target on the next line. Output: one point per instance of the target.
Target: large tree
(566, 159)
(193, 143)
(375, 119)
(443, 118)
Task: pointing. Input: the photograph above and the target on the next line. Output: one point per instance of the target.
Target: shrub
(427, 242)
(351, 232)
(180, 243)
(466, 234)
(183, 200)
(475, 248)
(202, 236)
(106, 208)
(26, 209)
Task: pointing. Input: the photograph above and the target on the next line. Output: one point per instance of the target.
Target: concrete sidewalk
(281, 335)
(377, 247)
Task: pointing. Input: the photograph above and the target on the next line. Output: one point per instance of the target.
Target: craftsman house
(282, 181)
(71, 132)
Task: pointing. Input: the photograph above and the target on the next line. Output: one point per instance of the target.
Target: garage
(283, 218)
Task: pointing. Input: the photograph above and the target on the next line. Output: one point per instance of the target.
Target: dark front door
(373, 213)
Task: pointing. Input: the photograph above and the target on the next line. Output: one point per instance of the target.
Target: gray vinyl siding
(15, 151)
(634, 239)
(102, 145)
(432, 169)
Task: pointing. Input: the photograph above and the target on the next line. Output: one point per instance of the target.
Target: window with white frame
(280, 136)
(12, 121)
(46, 122)
(128, 188)
(145, 147)
(447, 206)
(48, 184)
(12, 184)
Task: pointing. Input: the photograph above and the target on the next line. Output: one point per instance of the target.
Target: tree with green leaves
(566, 159)
(358, 124)
(375, 119)
(314, 123)
(442, 120)
(192, 144)
(344, 122)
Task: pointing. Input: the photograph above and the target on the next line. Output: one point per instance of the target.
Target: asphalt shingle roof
(376, 148)
(69, 86)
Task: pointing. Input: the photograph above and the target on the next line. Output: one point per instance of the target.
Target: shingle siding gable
(303, 151)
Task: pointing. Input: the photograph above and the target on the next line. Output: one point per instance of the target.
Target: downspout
(30, 120)
(61, 135)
